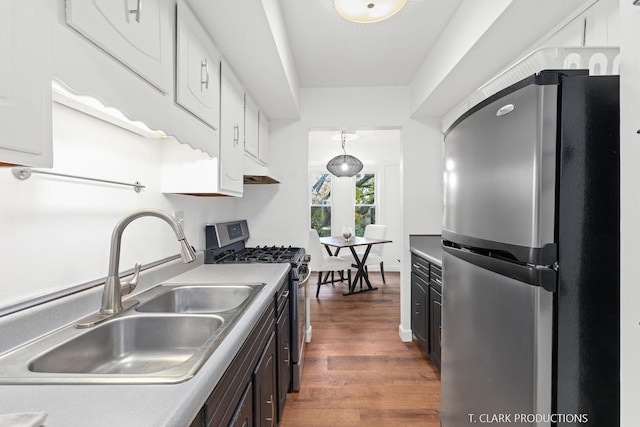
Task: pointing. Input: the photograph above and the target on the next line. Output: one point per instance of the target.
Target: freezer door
(496, 348)
(500, 169)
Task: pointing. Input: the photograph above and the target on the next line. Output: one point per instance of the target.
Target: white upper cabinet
(251, 126)
(25, 83)
(256, 140)
(198, 69)
(263, 137)
(231, 132)
(188, 171)
(136, 32)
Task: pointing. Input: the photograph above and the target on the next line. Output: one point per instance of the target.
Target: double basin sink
(166, 338)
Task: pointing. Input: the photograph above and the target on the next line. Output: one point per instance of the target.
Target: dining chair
(322, 262)
(371, 231)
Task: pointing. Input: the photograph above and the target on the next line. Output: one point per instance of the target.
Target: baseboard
(405, 334)
(308, 333)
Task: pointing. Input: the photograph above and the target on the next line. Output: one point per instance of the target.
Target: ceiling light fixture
(344, 164)
(367, 11)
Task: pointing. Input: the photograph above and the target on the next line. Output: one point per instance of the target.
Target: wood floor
(357, 372)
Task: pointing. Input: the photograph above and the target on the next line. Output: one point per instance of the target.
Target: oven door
(300, 325)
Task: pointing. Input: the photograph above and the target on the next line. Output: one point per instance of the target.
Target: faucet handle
(128, 287)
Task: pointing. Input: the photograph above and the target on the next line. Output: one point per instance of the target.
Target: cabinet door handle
(236, 135)
(137, 11)
(204, 75)
(273, 409)
(286, 347)
(440, 338)
(417, 308)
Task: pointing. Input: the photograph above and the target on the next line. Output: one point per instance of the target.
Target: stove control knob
(306, 258)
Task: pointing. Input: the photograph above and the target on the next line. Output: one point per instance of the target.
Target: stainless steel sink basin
(130, 345)
(174, 331)
(199, 299)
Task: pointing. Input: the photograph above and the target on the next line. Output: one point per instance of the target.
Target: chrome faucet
(113, 287)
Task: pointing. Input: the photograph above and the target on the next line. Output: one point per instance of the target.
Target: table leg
(332, 254)
(361, 273)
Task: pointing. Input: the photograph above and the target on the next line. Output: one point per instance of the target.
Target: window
(321, 203)
(365, 206)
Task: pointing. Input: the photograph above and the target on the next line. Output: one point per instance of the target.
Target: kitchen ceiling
(330, 51)
(442, 49)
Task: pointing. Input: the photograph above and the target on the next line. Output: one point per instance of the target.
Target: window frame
(376, 196)
(313, 175)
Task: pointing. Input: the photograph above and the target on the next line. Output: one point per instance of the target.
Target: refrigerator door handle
(542, 276)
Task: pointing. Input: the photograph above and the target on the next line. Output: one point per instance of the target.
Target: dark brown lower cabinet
(265, 393)
(435, 316)
(435, 300)
(247, 394)
(426, 306)
(198, 421)
(420, 311)
(244, 412)
(283, 339)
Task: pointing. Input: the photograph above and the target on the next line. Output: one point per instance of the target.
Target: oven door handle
(305, 280)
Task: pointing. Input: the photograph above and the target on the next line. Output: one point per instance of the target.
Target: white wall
(55, 232)
(422, 195)
(281, 213)
(630, 206)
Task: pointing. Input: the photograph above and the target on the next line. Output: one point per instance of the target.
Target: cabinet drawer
(420, 266)
(282, 296)
(435, 277)
(436, 270)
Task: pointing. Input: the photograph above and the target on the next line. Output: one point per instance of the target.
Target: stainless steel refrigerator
(530, 328)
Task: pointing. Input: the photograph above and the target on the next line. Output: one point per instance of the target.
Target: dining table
(339, 243)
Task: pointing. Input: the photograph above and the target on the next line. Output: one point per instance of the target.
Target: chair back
(315, 250)
(375, 231)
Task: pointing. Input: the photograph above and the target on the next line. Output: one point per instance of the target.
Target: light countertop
(428, 246)
(134, 405)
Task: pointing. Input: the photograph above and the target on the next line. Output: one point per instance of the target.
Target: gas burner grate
(266, 254)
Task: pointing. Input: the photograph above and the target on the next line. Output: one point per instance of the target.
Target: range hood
(260, 179)
(256, 172)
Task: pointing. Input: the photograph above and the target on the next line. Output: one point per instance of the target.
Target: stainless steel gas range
(225, 243)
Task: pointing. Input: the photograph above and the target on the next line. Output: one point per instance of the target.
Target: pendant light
(344, 164)
(367, 11)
